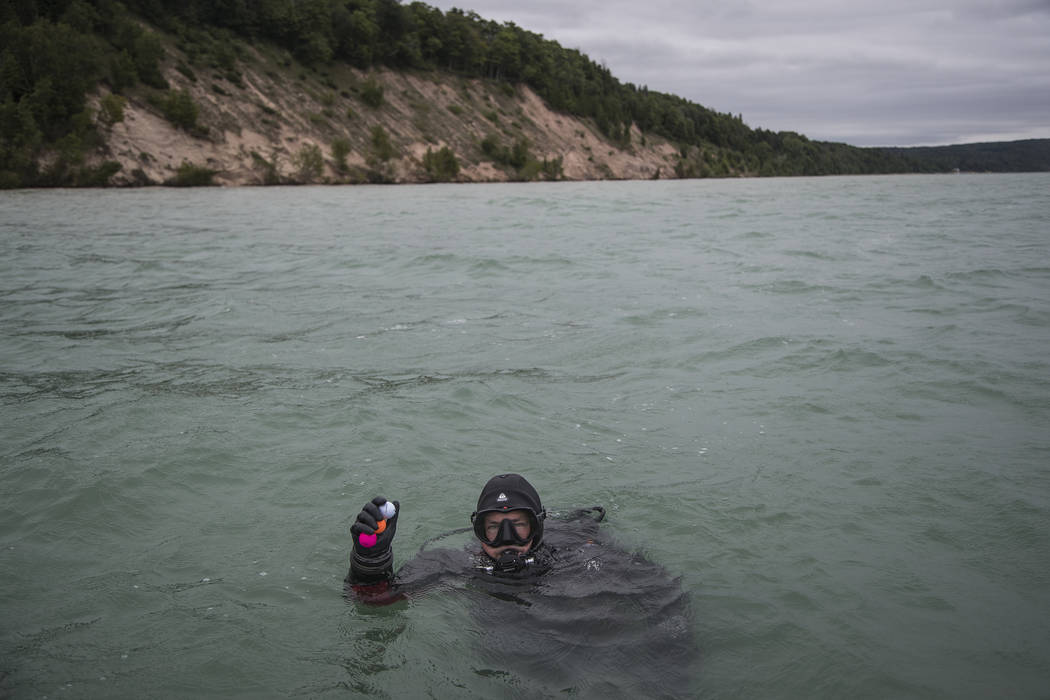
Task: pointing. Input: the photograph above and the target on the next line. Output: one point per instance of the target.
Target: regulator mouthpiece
(511, 562)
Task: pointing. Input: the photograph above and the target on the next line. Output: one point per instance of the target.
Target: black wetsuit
(585, 613)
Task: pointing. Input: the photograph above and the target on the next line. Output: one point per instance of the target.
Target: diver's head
(509, 516)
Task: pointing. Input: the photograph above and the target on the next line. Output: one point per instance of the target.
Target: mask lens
(499, 533)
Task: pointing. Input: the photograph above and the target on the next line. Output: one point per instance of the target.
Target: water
(823, 403)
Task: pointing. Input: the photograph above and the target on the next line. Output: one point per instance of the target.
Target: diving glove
(373, 530)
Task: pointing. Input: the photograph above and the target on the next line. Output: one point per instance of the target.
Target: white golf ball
(387, 509)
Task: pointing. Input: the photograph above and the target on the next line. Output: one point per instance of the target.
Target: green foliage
(267, 168)
(147, 53)
(10, 180)
(372, 93)
(309, 163)
(97, 176)
(20, 140)
(519, 153)
(551, 169)
(45, 71)
(1030, 155)
(122, 73)
(51, 54)
(186, 71)
(529, 171)
(376, 176)
(382, 148)
(441, 166)
(190, 175)
(111, 109)
(490, 146)
(516, 156)
(340, 150)
(178, 107)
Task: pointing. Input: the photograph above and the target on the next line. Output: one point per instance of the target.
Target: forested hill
(366, 90)
(1030, 155)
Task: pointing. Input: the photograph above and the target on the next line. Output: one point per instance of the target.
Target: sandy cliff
(260, 123)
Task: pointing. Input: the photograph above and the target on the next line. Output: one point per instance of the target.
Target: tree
(441, 166)
(372, 93)
(111, 110)
(357, 38)
(382, 149)
(191, 175)
(178, 107)
(340, 150)
(505, 55)
(309, 163)
(147, 55)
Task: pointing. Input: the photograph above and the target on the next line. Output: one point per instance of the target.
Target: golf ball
(367, 540)
(387, 509)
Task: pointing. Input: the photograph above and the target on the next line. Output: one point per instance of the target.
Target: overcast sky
(875, 73)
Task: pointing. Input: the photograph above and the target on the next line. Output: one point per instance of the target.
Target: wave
(790, 286)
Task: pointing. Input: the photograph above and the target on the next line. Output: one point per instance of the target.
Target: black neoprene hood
(508, 492)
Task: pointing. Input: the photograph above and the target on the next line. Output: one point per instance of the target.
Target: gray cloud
(897, 72)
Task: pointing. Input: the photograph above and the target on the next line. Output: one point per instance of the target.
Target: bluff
(273, 120)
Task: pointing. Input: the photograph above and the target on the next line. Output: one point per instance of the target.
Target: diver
(508, 521)
(580, 600)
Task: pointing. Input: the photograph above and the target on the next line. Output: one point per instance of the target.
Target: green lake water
(823, 404)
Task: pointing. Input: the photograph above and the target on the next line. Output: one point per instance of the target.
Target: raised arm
(372, 559)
